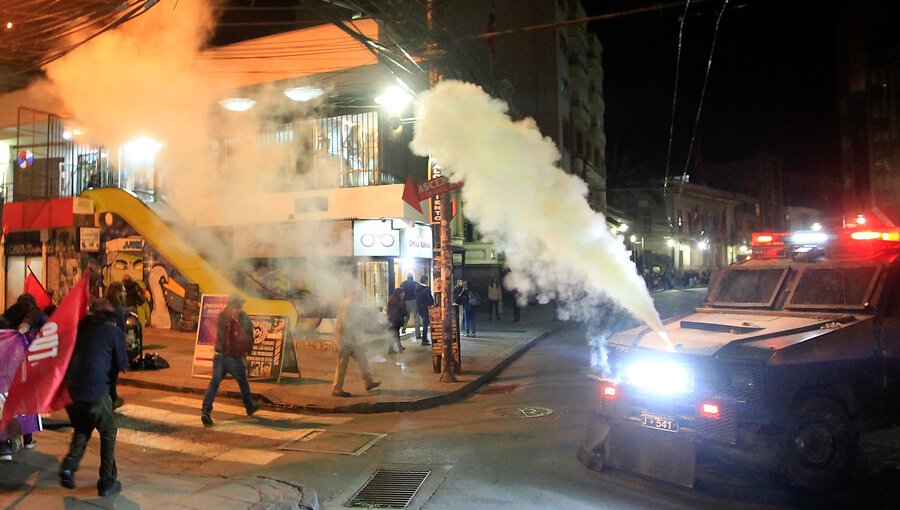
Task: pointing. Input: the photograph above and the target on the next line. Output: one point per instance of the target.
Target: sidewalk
(408, 381)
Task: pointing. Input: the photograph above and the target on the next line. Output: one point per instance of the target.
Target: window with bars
(336, 152)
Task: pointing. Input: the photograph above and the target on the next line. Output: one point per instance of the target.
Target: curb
(364, 407)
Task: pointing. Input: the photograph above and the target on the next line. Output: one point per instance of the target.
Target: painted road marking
(196, 403)
(211, 451)
(243, 426)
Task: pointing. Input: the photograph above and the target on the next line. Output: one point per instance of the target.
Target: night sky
(772, 88)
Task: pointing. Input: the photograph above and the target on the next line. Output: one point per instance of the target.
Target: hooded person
(99, 352)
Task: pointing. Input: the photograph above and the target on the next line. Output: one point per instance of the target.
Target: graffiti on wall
(153, 286)
(64, 266)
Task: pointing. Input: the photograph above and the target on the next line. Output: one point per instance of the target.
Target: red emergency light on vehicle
(851, 242)
(863, 242)
(768, 245)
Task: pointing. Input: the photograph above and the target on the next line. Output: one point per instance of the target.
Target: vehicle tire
(819, 445)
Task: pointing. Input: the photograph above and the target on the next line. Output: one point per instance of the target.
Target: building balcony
(578, 38)
(578, 74)
(579, 114)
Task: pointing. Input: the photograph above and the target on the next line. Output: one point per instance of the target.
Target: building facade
(337, 201)
(869, 107)
(687, 227)
(553, 74)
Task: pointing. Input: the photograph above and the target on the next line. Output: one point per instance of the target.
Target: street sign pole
(440, 211)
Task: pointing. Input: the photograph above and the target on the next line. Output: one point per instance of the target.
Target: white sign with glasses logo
(375, 238)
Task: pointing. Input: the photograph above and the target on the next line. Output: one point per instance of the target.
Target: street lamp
(394, 99)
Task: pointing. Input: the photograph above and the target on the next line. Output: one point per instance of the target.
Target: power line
(712, 49)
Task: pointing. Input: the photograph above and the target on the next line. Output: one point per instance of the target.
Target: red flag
(39, 386)
(411, 195)
(33, 286)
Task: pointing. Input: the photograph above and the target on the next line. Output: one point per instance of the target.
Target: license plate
(655, 421)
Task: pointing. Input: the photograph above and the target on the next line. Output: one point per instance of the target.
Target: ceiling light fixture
(304, 93)
(237, 104)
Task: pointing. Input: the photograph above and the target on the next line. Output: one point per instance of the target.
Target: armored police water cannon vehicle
(794, 353)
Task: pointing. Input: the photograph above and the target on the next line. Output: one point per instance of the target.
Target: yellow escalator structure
(194, 267)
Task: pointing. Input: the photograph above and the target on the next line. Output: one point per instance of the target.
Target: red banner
(33, 286)
(39, 386)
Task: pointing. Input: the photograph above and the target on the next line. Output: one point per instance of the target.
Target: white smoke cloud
(555, 244)
(150, 77)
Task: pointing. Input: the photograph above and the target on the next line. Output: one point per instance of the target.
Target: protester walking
(494, 296)
(24, 316)
(233, 329)
(424, 301)
(117, 296)
(349, 339)
(409, 287)
(99, 351)
(396, 312)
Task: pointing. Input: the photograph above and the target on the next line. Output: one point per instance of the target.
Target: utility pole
(440, 214)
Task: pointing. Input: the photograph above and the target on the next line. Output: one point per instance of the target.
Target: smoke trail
(555, 245)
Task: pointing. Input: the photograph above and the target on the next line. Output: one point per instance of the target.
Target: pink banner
(39, 385)
(12, 351)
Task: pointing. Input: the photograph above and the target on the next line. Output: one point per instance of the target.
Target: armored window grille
(834, 287)
(755, 287)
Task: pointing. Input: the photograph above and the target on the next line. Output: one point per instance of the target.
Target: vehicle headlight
(659, 376)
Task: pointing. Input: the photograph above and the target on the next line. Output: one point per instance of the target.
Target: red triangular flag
(39, 386)
(411, 195)
(33, 286)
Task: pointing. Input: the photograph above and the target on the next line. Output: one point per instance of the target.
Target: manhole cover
(389, 488)
(326, 441)
(523, 411)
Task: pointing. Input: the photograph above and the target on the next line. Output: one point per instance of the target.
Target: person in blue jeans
(225, 364)
(466, 299)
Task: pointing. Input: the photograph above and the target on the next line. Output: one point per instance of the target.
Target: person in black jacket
(99, 353)
(396, 313)
(117, 295)
(409, 287)
(424, 301)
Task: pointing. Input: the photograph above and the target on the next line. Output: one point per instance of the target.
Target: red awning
(38, 214)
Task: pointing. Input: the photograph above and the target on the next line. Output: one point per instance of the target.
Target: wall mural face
(153, 286)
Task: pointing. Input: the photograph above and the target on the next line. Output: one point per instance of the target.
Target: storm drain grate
(389, 488)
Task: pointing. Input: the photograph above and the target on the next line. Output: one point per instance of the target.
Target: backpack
(237, 342)
(474, 298)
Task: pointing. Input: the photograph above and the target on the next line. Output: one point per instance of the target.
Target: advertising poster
(269, 335)
(204, 345)
(266, 360)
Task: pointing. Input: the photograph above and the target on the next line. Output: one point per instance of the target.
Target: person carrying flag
(24, 315)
